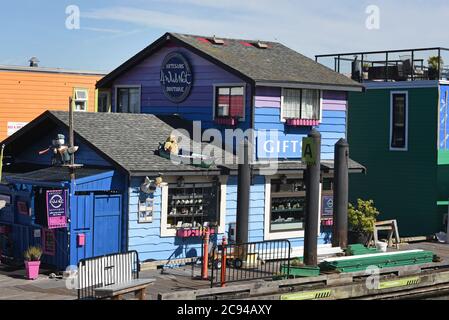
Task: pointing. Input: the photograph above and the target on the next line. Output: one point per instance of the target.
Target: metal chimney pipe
(34, 62)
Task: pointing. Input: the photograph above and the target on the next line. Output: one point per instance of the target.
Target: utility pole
(71, 142)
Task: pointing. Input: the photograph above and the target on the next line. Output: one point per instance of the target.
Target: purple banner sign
(56, 208)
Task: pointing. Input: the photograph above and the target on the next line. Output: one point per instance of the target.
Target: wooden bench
(116, 291)
(111, 276)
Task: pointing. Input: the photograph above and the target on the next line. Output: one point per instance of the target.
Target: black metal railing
(105, 270)
(249, 261)
(390, 65)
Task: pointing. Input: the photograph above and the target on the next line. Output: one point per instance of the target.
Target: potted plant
(434, 63)
(32, 262)
(361, 219)
(366, 67)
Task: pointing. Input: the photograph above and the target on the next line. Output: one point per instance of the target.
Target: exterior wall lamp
(180, 182)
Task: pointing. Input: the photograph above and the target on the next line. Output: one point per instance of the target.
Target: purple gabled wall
(198, 105)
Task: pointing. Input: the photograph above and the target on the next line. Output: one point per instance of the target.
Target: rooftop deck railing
(390, 65)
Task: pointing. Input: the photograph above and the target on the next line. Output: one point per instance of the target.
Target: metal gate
(106, 270)
(249, 261)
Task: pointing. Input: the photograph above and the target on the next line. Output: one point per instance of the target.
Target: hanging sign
(308, 151)
(176, 77)
(327, 206)
(56, 208)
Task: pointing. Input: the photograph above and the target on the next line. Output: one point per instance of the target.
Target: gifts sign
(56, 208)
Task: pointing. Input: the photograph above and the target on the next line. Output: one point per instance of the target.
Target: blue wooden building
(195, 84)
(234, 84)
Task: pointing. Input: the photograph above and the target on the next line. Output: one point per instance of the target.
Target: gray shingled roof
(131, 139)
(275, 65)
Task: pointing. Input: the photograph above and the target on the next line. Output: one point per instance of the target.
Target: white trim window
(127, 99)
(81, 97)
(229, 101)
(193, 205)
(399, 121)
(301, 104)
(285, 208)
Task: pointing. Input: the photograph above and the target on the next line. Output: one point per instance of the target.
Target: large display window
(193, 205)
(189, 206)
(287, 205)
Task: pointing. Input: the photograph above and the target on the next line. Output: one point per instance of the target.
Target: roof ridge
(219, 37)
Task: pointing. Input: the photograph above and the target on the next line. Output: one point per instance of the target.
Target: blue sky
(114, 30)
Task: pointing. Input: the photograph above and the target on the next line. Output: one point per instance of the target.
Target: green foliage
(33, 254)
(297, 262)
(362, 217)
(433, 62)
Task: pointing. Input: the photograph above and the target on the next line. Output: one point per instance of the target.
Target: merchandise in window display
(193, 206)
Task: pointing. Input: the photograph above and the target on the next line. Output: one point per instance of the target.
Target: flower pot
(32, 269)
(355, 237)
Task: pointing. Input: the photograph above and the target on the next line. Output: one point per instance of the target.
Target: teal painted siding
(403, 184)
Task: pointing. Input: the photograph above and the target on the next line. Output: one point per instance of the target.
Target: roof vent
(215, 40)
(34, 62)
(261, 45)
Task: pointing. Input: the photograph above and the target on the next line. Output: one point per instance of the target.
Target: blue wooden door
(81, 224)
(107, 224)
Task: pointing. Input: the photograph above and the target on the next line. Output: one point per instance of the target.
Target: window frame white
(86, 100)
(171, 232)
(392, 94)
(227, 85)
(279, 235)
(126, 86)
(320, 111)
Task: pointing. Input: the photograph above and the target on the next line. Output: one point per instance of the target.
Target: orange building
(26, 92)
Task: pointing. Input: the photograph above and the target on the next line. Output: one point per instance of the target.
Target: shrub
(433, 62)
(362, 217)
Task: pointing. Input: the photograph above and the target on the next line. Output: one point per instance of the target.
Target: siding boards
(198, 105)
(403, 184)
(25, 95)
(332, 126)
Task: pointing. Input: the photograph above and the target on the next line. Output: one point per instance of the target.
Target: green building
(398, 129)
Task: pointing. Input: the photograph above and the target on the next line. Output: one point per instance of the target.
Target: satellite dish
(2, 204)
(148, 186)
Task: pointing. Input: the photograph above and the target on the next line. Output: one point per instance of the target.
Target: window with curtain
(301, 104)
(230, 102)
(128, 100)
